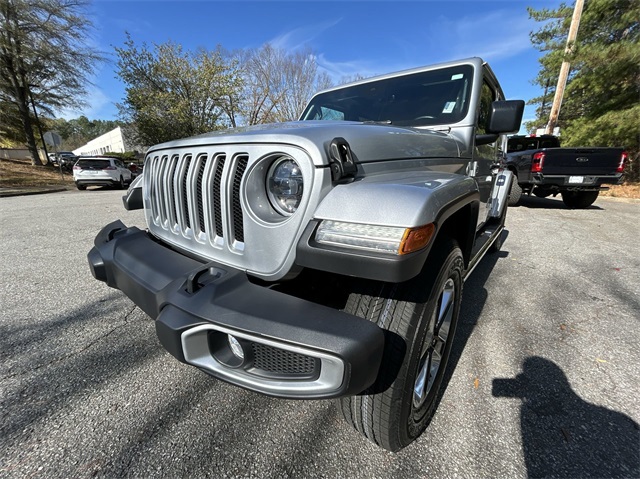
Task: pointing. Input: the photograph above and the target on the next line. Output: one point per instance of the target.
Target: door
(485, 155)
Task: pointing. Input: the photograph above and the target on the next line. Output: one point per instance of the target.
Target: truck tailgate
(581, 161)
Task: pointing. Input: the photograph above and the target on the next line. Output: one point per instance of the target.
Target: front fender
(407, 199)
(404, 199)
(133, 199)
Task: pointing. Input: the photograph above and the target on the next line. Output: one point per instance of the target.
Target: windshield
(434, 97)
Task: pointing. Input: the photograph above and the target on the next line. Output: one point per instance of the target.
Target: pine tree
(601, 104)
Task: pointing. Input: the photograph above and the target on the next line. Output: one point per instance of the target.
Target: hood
(368, 142)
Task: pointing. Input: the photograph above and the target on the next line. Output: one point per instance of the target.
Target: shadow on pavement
(564, 436)
(474, 298)
(550, 203)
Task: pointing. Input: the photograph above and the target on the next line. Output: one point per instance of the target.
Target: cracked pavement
(543, 377)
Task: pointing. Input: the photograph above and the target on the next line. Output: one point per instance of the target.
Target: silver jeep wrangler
(325, 258)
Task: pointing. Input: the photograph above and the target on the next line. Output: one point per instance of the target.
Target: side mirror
(506, 116)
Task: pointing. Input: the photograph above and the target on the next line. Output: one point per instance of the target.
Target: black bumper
(564, 182)
(196, 305)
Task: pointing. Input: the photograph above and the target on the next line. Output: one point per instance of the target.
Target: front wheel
(420, 318)
(579, 199)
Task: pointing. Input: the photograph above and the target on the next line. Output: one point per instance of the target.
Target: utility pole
(564, 70)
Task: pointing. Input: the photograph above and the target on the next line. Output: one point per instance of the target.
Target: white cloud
(495, 36)
(339, 70)
(301, 36)
(96, 100)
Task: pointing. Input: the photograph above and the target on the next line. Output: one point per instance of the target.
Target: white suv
(100, 170)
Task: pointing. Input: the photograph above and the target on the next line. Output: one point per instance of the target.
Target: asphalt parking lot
(544, 377)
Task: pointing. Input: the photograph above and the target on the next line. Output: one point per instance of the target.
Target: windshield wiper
(376, 122)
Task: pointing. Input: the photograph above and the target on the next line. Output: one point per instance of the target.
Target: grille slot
(170, 188)
(282, 362)
(185, 191)
(199, 194)
(238, 229)
(217, 195)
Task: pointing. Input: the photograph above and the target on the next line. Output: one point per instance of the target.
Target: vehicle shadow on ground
(549, 203)
(473, 300)
(45, 375)
(96, 189)
(564, 436)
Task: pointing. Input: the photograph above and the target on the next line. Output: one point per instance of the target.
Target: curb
(6, 192)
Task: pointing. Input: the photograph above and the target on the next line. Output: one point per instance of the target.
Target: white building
(114, 141)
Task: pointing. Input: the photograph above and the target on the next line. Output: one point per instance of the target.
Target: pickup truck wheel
(81, 187)
(515, 194)
(420, 318)
(540, 193)
(579, 199)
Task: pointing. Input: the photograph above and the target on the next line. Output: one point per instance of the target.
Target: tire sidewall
(452, 268)
(515, 192)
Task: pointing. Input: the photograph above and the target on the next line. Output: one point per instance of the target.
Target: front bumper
(292, 348)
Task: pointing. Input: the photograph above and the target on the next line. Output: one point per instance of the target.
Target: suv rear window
(94, 164)
(520, 143)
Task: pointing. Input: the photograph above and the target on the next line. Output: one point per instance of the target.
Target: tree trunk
(27, 124)
(28, 132)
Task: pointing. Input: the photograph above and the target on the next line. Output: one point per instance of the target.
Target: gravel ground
(543, 379)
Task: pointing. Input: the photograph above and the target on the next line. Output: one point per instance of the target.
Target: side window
(487, 97)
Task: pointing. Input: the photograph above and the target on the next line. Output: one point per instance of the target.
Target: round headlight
(284, 185)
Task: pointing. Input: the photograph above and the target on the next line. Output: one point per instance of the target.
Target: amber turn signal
(416, 238)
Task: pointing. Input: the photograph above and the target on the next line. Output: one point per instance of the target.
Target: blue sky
(349, 37)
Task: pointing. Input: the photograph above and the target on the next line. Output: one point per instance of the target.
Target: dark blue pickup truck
(541, 167)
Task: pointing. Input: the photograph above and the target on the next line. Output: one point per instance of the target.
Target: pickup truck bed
(578, 174)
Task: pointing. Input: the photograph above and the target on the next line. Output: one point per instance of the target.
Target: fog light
(236, 347)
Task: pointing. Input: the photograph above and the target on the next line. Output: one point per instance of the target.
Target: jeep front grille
(188, 194)
(210, 200)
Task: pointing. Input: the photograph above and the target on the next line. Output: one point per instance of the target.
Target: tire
(515, 194)
(540, 193)
(579, 199)
(419, 332)
(81, 187)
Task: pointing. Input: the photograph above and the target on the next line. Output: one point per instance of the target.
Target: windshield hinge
(343, 167)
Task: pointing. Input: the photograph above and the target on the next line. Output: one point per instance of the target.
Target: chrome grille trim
(197, 196)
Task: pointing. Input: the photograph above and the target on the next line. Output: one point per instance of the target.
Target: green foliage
(44, 59)
(173, 94)
(601, 102)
